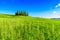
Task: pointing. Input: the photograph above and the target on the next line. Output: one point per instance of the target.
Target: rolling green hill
(28, 28)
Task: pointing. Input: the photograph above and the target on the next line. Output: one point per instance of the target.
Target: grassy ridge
(29, 28)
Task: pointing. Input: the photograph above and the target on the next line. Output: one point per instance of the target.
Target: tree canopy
(21, 13)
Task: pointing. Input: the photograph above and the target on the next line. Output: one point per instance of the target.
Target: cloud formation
(58, 5)
(54, 12)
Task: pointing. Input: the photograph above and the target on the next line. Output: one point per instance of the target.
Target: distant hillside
(6, 15)
(56, 18)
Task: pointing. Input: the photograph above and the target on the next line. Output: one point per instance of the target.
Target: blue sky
(36, 8)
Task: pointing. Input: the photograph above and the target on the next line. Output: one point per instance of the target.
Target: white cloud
(54, 12)
(47, 14)
(58, 5)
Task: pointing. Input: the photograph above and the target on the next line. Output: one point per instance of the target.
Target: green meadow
(28, 28)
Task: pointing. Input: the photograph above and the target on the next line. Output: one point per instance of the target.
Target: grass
(28, 28)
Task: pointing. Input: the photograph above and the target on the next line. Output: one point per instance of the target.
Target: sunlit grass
(29, 28)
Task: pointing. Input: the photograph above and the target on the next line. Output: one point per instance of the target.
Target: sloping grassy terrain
(28, 28)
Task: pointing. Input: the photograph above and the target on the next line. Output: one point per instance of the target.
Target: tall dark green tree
(21, 13)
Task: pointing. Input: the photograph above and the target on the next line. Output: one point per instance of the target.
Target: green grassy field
(28, 28)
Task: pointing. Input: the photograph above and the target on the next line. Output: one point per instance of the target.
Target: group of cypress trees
(21, 13)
